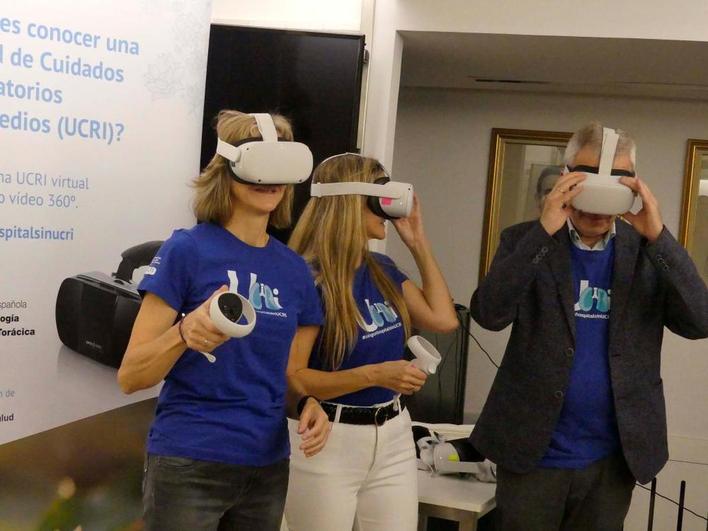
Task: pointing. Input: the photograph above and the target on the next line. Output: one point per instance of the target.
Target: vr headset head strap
(266, 127)
(609, 147)
(227, 150)
(354, 188)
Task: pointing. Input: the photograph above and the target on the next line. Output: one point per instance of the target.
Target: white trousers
(364, 479)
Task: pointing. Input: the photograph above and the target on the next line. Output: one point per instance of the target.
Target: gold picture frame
(693, 233)
(519, 164)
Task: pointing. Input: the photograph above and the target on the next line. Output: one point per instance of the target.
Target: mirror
(694, 212)
(523, 167)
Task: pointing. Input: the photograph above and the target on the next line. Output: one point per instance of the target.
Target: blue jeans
(191, 495)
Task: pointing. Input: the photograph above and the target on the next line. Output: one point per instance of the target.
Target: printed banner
(100, 129)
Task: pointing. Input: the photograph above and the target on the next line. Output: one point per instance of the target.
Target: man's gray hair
(591, 136)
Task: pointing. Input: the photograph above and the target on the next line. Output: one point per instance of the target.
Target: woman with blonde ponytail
(366, 475)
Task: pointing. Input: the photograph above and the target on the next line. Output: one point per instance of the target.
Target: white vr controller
(602, 192)
(442, 456)
(267, 160)
(228, 310)
(427, 357)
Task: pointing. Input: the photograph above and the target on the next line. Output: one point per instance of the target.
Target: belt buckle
(376, 416)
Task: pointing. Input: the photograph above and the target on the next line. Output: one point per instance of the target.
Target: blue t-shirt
(587, 427)
(233, 410)
(383, 338)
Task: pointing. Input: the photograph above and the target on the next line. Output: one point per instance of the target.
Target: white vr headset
(267, 160)
(602, 192)
(386, 198)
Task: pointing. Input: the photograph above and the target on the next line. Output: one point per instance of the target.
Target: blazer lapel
(626, 250)
(561, 266)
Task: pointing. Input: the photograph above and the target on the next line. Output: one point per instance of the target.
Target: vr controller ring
(227, 310)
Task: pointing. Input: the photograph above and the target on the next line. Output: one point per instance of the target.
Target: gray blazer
(530, 285)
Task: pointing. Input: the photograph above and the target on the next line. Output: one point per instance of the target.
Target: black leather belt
(363, 415)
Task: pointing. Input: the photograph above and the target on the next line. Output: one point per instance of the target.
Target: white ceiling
(582, 65)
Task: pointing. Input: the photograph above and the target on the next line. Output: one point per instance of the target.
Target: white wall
(441, 146)
(655, 19)
(315, 15)
(604, 18)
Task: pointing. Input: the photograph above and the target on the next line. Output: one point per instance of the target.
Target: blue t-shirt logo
(589, 296)
(380, 313)
(259, 293)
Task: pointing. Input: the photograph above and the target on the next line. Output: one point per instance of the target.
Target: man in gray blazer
(576, 412)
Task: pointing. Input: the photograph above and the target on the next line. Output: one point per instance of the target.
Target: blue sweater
(587, 427)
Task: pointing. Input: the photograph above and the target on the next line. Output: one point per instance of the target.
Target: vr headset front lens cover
(386, 198)
(602, 192)
(267, 160)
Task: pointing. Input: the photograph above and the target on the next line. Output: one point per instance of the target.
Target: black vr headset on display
(602, 192)
(267, 160)
(386, 198)
(95, 312)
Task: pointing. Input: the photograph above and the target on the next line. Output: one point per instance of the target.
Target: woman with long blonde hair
(218, 446)
(367, 473)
